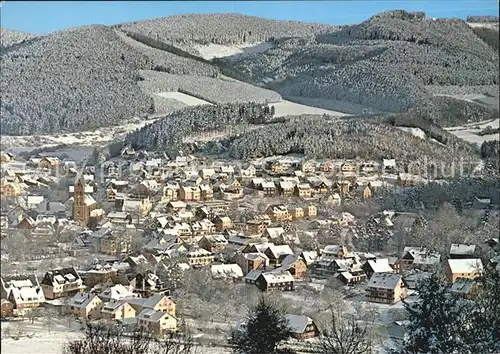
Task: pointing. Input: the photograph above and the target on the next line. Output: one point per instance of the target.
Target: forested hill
(94, 76)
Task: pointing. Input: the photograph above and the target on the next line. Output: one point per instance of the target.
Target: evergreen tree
(483, 320)
(265, 328)
(435, 320)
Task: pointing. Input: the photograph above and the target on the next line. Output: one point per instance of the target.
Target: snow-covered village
(218, 183)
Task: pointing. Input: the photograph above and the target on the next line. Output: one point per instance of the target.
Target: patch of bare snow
(211, 51)
(468, 132)
(288, 108)
(419, 133)
(184, 98)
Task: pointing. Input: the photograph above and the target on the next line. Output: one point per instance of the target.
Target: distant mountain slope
(10, 37)
(383, 63)
(90, 77)
(222, 29)
(83, 77)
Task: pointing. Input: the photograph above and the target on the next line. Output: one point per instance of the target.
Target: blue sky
(47, 16)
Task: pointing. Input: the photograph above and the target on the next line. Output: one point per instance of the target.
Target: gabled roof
(279, 250)
(463, 285)
(253, 274)
(298, 323)
(61, 276)
(154, 300)
(380, 265)
(384, 280)
(278, 277)
(470, 265)
(82, 300)
(152, 316)
(309, 256)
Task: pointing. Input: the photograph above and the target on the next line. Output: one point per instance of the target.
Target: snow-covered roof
(298, 323)
(462, 285)
(152, 316)
(82, 300)
(462, 249)
(253, 274)
(380, 265)
(309, 256)
(384, 280)
(278, 277)
(280, 250)
(226, 270)
(470, 265)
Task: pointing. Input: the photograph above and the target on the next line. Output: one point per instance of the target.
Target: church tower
(79, 201)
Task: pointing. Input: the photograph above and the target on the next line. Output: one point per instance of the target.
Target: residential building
(49, 162)
(116, 310)
(115, 292)
(171, 192)
(461, 251)
(275, 281)
(156, 302)
(11, 189)
(213, 243)
(295, 265)
(207, 192)
(278, 212)
(85, 306)
(297, 212)
(286, 188)
(62, 282)
(157, 322)
(251, 261)
(222, 223)
(137, 207)
(147, 284)
(311, 211)
(190, 193)
(386, 288)
(303, 190)
(463, 268)
(466, 288)
(277, 253)
(23, 292)
(302, 327)
(176, 206)
(199, 256)
(380, 265)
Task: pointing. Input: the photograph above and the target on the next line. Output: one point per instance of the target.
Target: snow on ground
(482, 24)
(419, 133)
(40, 341)
(211, 51)
(468, 132)
(97, 137)
(286, 108)
(184, 98)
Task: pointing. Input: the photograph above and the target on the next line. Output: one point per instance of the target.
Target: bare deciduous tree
(344, 335)
(102, 339)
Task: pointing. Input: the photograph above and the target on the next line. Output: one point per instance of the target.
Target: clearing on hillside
(184, 98)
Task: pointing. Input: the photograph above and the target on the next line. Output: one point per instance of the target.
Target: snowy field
(288, 108)
(211, 51)
(184, 98)
(98, 137)
(37, 339)
(469, 132)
